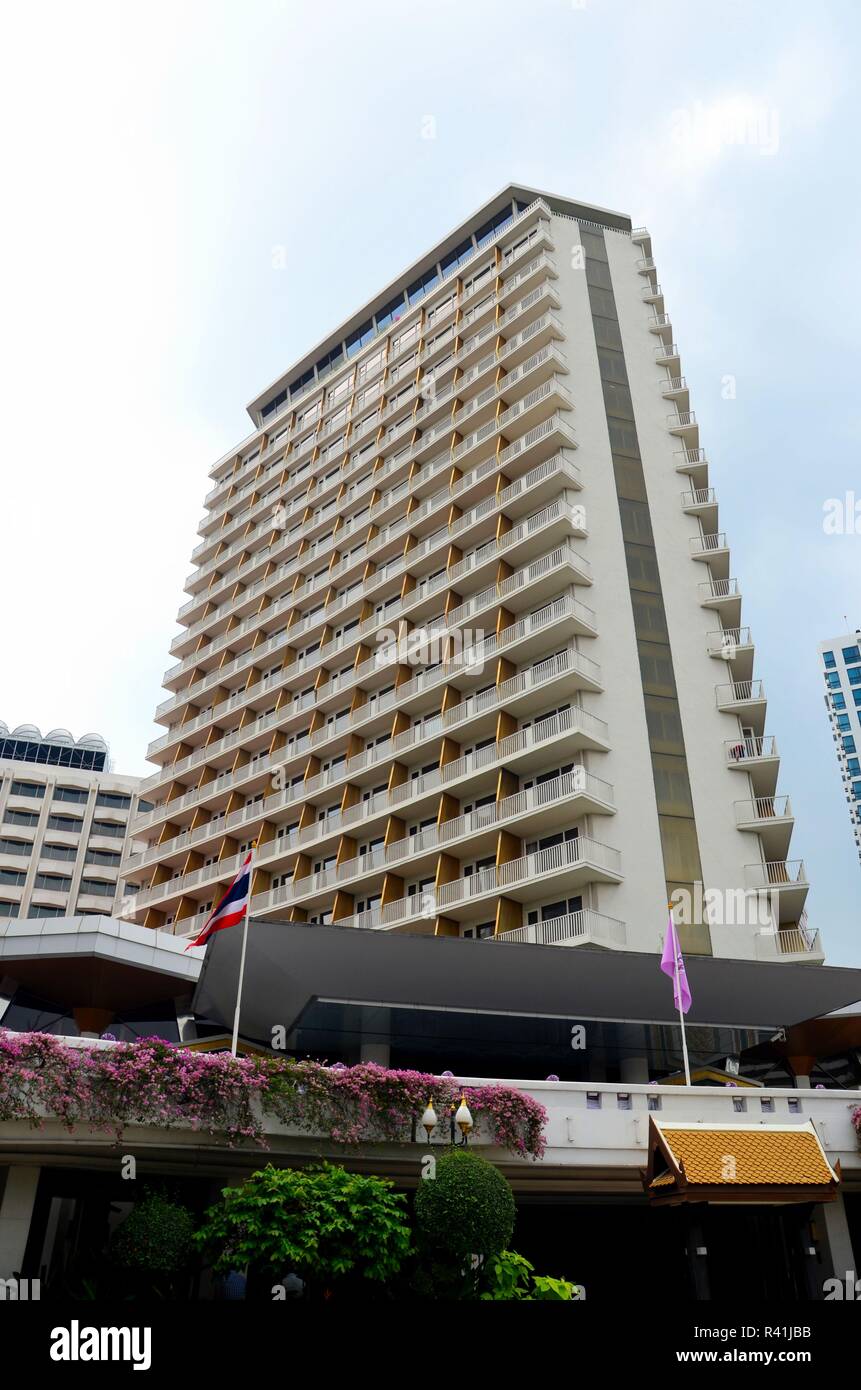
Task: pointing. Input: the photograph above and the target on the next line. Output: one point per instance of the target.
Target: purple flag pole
(673, 964)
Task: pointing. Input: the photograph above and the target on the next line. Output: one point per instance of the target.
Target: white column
(832, 1216)
(16, 1211)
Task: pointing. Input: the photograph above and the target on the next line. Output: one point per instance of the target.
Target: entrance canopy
(291, 964)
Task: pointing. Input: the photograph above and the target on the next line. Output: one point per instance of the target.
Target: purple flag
(672, 964)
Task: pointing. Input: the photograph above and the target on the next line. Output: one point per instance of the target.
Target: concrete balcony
(534, 446)
(662, 323)
(759, 758)
(534, 810)
(714, 550)
(745, 699)
(675, 388)
(520, 695)
(668, 355)
(791, 944)
(580, 728)
(683, 424)
(787, 882)
(467, 491)
(771, 818)
(702, 502)
(735, 646)
(565, 868)
(653, 294)
(695, 464)
(645, 265)
(724, 596)
(480, 523)
(586, 928)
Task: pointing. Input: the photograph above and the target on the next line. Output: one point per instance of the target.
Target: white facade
(840, 661)
(62, 836)
(445, 460)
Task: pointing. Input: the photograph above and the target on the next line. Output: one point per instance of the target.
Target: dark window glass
(79, 794)
(27, 789)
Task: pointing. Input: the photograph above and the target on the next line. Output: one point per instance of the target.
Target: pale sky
(195, 193)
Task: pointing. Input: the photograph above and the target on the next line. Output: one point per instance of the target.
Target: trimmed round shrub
(155, 1237)
(467, 1209)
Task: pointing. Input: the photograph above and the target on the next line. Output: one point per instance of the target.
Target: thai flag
(232, 908)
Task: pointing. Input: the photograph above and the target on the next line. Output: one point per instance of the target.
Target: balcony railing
(553, 424)
(748, 750)
(567, 930)
(776, 873)
(301, 665)
(502, 696)
(707, 545)
(740, 693)
(765, 809)
(570, 720)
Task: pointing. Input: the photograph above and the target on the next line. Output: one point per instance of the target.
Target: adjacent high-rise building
(463, 648)
(64, 817)
(841, 667)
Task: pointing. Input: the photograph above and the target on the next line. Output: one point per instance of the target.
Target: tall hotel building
(463, 649)
(841, 667)
(64, 819)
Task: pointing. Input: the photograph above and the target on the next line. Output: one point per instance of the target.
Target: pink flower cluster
(368, 1102)
(155, 1083)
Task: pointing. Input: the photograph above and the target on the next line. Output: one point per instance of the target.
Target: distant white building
(64, 818)
(841, 666)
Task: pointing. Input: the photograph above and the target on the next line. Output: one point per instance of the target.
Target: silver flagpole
(677, 951)
(242, 959)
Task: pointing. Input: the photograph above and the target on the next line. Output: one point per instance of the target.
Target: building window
(419, 288)
(12, 878)
(56, 883)
(21, 818)
(42, 910)
(78, 794)
(68, 852)
(95, 885)
(107, 827)
(15, 846)
(27, 789)
(115, 800)
(71, 824)
(830, 660)
(851, 654)
(102, 856)
(8, 909)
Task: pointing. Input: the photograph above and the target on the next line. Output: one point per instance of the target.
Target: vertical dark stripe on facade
(682, 866)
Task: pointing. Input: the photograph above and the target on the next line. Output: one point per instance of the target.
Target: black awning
(289, 964)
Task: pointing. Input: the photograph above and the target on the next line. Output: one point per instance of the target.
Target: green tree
(463, 1215)
(329, 1226)
(155, 1238)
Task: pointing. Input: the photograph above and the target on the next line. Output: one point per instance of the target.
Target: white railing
(776, 873)
(727, 641)
(740, 693)
(763, 808)
(571, 720)
(572, 926)
(705, 545)
(745, 750)
(332, 542)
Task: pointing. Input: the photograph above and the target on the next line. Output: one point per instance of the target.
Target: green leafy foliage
(322, 1222)
(155, 1238)
(511, 1276)
(467, 1209)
